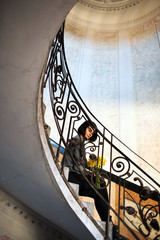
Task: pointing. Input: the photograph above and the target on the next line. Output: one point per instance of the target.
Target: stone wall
(94, 70)
(117, 73)
(146, 82)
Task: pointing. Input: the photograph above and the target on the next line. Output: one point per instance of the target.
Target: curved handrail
(69, 111)
(130, 186)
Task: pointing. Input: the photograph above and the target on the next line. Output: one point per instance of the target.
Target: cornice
(110, 6)
(153, 16)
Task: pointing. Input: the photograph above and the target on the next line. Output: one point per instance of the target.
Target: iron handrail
(130, 186)
(69, 110)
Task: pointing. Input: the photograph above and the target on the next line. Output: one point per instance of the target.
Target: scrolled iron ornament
(157, 237)
(129, 209)
(145, 192)
(147, 212)
(98, 178)
(91, 146)
(154, 224)
(59, 83)
(59, 111)
(74, 108)
(119, 166)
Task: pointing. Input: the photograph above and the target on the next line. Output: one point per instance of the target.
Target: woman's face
(89, 132)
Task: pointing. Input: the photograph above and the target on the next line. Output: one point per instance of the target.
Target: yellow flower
(92, 163)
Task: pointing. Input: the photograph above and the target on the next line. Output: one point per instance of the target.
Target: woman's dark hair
(82, 130)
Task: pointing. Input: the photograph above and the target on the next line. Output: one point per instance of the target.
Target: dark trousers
(86, 190)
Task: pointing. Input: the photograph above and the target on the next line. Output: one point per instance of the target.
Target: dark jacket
(77, 150)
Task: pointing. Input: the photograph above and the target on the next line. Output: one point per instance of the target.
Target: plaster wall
(19, 222)
(145, 59)
(117, 74)
(27, 169)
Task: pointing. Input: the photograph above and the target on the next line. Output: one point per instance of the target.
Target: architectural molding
(151, 17)
(110, 5)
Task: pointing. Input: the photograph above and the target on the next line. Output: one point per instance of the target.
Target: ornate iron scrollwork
(69, 111)
(145, 212)
(121, 165)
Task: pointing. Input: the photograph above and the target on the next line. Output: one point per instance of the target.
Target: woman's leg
(86, 190)
(101, 206)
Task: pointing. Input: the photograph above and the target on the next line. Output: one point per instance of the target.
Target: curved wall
(116, 70)
(27, 30)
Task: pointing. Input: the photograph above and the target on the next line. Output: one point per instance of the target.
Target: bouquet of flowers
(95, 163)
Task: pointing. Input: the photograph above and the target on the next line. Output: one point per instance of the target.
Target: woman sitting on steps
(86, 132)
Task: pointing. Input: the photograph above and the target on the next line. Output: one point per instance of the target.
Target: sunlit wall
(117, 73)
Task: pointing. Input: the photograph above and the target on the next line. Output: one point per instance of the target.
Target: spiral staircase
(31, 171)
(133, 200)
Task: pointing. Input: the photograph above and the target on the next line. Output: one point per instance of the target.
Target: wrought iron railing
(135, 212)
